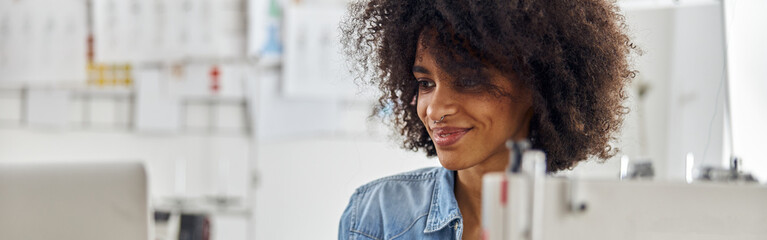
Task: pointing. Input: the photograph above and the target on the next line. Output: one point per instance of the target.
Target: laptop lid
(80, 201)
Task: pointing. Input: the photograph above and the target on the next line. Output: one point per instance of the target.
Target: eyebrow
(420, 69)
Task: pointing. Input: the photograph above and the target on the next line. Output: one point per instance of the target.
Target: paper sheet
(42, 41)
(157, 105)
(313, 64)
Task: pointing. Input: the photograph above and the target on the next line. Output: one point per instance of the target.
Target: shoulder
(390, 206)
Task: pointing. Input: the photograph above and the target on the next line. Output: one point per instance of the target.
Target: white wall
(697, 94)
(747, 34)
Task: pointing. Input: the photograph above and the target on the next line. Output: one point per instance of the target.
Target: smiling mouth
(444, 137)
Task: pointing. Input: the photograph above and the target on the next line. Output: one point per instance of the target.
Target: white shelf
(204, 205)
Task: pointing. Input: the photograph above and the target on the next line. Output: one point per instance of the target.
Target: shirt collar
(444, 207)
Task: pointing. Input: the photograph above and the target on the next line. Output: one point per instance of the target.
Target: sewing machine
(525, 203)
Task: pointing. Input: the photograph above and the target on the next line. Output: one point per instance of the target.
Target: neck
(468, 185)
(468, 189)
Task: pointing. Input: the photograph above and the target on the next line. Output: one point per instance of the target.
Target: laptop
(82, 201)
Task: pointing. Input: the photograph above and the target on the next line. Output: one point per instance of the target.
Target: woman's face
(476, 122)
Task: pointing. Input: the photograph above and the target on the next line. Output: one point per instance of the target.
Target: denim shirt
(414, 205)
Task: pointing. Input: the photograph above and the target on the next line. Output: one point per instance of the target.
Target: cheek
(515, 117)
(499, 115)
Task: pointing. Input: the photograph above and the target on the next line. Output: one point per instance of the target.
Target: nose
(443, 102)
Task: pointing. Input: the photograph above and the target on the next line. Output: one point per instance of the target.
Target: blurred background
(244, 114)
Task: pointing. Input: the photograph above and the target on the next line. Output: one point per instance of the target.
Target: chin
(453, 162)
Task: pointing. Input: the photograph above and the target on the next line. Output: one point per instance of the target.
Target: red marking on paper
(214, 79)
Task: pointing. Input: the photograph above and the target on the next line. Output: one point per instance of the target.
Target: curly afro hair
(572, 55)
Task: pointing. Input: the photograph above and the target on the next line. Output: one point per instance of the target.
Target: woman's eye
(425, 84)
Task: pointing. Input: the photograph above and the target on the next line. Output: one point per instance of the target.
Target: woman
(461, 78)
